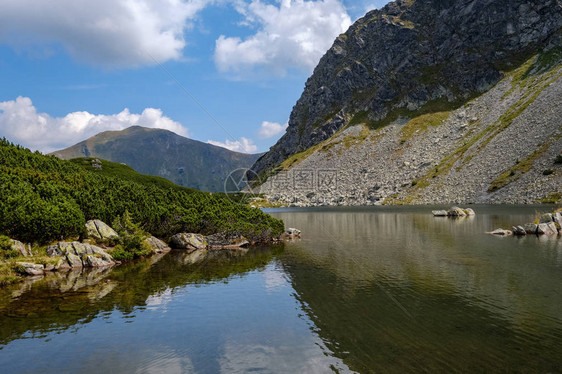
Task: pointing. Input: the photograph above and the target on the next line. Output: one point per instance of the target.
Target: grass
(516, 171)
(507, 118)
(8, 274)
(297, 158)
(434, 106)
(348, 141)
(421, 123)
(11, 273)
(359, 118)
(553, 198)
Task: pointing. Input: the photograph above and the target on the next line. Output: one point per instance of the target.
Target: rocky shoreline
(549, 224)
(95, 251)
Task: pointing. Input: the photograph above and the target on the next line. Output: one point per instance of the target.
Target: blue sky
(72, 68)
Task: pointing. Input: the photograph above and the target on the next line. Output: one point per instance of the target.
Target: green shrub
(119, 253)
(6, 250)
(547, 172)
(131, 239)
(43, 198)
(558, 159)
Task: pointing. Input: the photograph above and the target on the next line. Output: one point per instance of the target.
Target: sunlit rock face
(412, 54)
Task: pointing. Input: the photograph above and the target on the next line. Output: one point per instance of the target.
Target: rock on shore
(99, 230)
(548, 224)
(79, 255)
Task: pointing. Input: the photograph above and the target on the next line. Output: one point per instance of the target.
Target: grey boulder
(31, 268)
(456, 212)
(77, 254)
(546, 218)
(530, 228)
(224, 240)
(519, 231)
(547, 229)
(440, 213)
(157, 245)
(97, 229)
(188, 241)
(501, 232)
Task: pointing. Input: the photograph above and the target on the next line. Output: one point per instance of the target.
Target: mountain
(184, 161)
(429, 102)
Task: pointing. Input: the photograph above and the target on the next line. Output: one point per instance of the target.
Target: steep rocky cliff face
(412, 58)
(429, 102)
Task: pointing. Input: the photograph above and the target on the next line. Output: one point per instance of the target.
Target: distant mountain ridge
(186, 162)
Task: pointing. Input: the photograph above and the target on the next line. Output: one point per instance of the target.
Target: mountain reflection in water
(365, 290)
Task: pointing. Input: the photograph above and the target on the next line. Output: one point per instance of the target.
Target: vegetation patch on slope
(43, 198)
(532, 77)
(421, 123)
(516, 171)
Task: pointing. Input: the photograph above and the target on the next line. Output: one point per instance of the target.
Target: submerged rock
(500, 232)
(440, 213)
(291, 233)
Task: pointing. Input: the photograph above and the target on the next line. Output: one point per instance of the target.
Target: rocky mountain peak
(414, 57)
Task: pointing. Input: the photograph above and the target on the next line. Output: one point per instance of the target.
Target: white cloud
(243, 145)
(270, 129)
(21, 124)
(106, 32)
(294, 34)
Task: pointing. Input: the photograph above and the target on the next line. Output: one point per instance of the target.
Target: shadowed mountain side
(186, 162)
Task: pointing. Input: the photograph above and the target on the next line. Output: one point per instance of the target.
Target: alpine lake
(366, 290)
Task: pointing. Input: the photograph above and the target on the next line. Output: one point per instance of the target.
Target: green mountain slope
(43, 198)
(184, 161)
